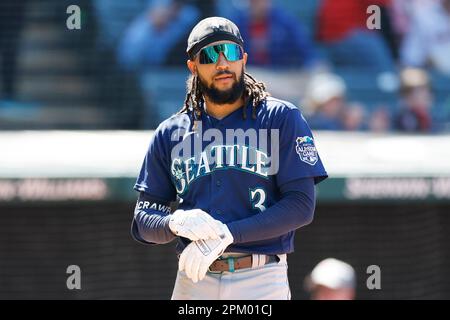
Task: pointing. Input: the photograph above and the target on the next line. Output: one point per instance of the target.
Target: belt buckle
(211, 271)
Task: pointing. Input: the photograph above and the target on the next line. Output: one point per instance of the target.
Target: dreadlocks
(254, 90)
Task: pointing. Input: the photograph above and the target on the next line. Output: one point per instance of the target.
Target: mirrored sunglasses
(231, 51)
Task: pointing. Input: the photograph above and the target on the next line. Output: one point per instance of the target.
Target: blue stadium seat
(363, 87)
(164, 92)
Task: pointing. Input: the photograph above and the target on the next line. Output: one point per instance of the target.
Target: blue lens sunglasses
(231, 51)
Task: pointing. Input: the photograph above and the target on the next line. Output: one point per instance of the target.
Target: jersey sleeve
(298, 155)
(154, 177)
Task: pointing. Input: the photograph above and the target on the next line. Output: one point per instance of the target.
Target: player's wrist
(173, 221)
(228, 236)
(166, 223)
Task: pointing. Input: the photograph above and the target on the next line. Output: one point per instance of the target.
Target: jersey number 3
(257, 198)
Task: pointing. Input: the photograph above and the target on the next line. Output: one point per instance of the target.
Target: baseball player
(243, 166)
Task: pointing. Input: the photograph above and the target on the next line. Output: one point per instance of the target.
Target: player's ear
(191, 65)
(245, 58)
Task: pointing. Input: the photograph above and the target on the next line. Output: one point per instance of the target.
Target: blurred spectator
(353, 117)
(331, 279)
(342, 27)
(158, 36)
(427, 41)
(380, 120)
(416, 102)
(325, 94)
(401, 12)
(112, 19)
(273, 37)
(11, 24)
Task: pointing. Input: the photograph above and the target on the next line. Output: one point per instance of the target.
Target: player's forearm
(294, 210)
(153, 227)
(151, 220)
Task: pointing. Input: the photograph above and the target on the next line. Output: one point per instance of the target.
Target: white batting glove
(195, 225)
(199, 255)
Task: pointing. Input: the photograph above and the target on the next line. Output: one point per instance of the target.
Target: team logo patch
(306, 149)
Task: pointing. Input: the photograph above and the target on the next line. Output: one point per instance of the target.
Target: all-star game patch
(306, 149)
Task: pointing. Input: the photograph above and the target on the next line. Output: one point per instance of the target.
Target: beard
(218, 96)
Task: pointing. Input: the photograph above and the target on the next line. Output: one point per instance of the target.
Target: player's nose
(222, 62)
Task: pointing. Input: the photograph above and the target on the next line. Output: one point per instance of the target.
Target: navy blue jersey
(232, 168)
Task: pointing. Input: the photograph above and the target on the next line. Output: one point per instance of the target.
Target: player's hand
(195, 225)
(199, 255)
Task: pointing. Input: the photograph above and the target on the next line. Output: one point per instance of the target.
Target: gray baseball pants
(260, 282)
